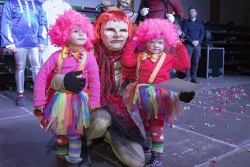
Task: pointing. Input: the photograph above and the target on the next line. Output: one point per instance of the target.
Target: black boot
(147, 153)
(155, 160)
(61, 162)
(71, 165)
(85, 153)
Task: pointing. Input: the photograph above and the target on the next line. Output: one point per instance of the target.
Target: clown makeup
(77, 39)
(156, 46)
(114, 35)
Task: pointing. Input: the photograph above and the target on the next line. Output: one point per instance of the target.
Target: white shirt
(53, 8)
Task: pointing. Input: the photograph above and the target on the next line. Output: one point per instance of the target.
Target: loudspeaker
(211, 62)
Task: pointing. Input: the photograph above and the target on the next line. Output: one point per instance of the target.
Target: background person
(194, 34)
(24, 32)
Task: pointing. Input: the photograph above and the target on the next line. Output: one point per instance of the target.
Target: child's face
(156, 46)
(77, 38)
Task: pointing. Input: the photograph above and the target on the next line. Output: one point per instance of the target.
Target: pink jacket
(90, 72)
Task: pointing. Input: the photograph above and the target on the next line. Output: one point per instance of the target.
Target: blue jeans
(194, 56)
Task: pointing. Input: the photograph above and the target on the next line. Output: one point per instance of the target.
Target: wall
(232, 10)
(203, 7)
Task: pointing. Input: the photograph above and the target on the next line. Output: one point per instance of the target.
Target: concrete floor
(215, 130)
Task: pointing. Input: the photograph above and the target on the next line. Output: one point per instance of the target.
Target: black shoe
(97, 141)
(180, 75)
(155, 160)
(194, 81)
(61, 162)
(148, 154)
(85, 153)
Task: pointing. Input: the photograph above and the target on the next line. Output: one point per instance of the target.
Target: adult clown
(24, 32)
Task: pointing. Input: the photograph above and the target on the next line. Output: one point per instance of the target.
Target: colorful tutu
(67, 113)
(153, 103)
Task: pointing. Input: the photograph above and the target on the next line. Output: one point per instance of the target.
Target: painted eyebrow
(125, 29)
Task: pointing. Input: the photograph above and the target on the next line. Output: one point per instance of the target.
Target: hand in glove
(186, 96)
(170, 17)
(180, 75)
(72, 83)
(144, 11)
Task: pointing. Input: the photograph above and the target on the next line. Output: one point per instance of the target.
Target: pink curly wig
(156, 28)
(112, 16)
(60, 32)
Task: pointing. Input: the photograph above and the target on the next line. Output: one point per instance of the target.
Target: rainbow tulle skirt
(152, 102)
(66, 113)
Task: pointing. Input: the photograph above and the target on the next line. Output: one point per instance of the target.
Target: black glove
(180, 75)
(72, 83)
(186, 96)
(125, 83)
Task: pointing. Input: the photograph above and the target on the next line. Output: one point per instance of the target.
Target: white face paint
(156, 46)
(114, 35)
(77, 39)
